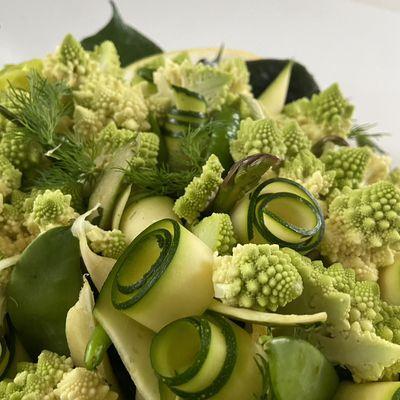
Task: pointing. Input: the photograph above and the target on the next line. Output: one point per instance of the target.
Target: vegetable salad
(200, 224)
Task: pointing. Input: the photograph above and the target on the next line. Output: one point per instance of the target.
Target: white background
(356, 43)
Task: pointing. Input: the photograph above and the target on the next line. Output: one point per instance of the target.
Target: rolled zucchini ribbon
(213, 359)
(165, 274)
(280, 211)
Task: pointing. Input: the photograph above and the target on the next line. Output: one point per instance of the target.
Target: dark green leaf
(263, 72)
(131, 44)
(243, 176)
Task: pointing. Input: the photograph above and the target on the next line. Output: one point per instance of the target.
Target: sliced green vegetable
(273, 98)
(300, 371)
(5, 357)
(264, 318)
(282, 212)
(243, 177)
(144, 212)
(120, 207)
(131, 44)
(164, 274)
(264, 71)
(17, 74)
(109, 187)
(186, 100)
(207, 357)
(389, 282)
(368, 391)
(44, 285)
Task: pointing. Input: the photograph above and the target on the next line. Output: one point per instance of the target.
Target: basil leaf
(131, 44)
(263, 72)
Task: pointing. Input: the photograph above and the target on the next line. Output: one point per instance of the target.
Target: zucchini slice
(144, 212)
(5, 357)
(120, 207)
(389, 282)
(163, 275)
(279, 211)
(216, 359)
(186, 100)
(264, 318)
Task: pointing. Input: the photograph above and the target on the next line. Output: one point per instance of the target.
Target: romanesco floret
(22, 152)
(294, 138)
(200, 191)
(51, 209)
(54, 378)
(310, 172)
(107, 57)
(107, 243)
(210, 82)
(360, 330)
(217, 232)
(111, 138)
(260, 277)
(14, 235)
(355, 167)
(327, 113)
(81, 384)
(147, 148)
(240, 76)
(10, 177)
(254, 137)
(362, 230)
(394, 177)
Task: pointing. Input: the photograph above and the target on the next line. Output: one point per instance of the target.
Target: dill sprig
(364, 137)
(39, 110)
(163, 181)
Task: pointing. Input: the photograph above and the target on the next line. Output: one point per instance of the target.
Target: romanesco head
(254, 137)
(217, 232)
(355, 167)
(111, 138)
(81, 384)
(327, 113)
(240, 76)
(210, 82)
(308, 170)
(51, 209)
(106, 55)
(107, 243)
(10, 177)
(200, 191)
(147, 146)
(22, 152)
(261, 277)
(295, 139)
(362, 230)
(52, 367)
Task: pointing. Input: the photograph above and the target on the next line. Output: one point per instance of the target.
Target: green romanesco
(81, 384)
(100, 93)
(294, 138)
(216, 231)
(361, 332)
(394, 177)
(10, 177)
(327, 113)
(362, 230)
(24, 153)
(254, 137)
(107, 243)
(309, 171)
(355, 167)
(144, 144)
(260, 277)
(240, 76)
(210, 82)
(49, 210)
(54, 378)
(14, 235)
(200, 191)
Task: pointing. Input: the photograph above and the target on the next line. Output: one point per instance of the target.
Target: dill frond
(364, 137)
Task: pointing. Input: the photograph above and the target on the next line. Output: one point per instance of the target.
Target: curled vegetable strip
(98, 266)
(214, 358)
(9, 262)
(280, 211)
(264, 318)
(165, 274)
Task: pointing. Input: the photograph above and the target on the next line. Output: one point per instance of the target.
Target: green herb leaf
(263, 73)
(131, 44)
(364, 137)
